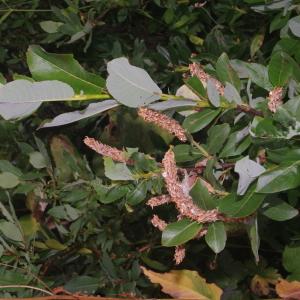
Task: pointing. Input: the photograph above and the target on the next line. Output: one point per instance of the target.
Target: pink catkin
(183, 202)
(201, 233)
(275, 98)
(159, 200)
(163, 121)
(105, 150)
(197, 70)
(158, 223)
(179, 254)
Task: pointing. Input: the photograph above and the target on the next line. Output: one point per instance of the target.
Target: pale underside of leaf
(20, 98)
(92, 110)
(130, 85)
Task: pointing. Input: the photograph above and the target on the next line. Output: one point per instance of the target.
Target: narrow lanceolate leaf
(185, 284)
(231, 94)
(180, 232)
(216, 236)
(212, 93)
(284, 177)
(226, 73)
(199, 120)
(201, 196)
(280, 69)
(172, 104)
(217, 135)
(254, 238)
(20, 98)
(62, 67)
(256, 43)
(92, 110)
(244, 207)
(130, 85)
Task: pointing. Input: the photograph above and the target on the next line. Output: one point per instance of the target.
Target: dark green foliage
(73, 218)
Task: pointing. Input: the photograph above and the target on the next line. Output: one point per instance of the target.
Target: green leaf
(216, 236)
(237, 143)
(8, 180)
(254, 238)
(179, 232)
(243, 207)
(231, 94)
(226, 73)
(14, 277)
(217, 135)
(85, 284)
(37, 160)
(279, 21)
(280, 69)
(137, 195)
(294, 25)
(54, 244)
(6, 166)
(11, 231)
(64, 212)
(20, 98)
(291, 261)
(2, 79)
(50, 26)
(256, 43)
(92, 110)
(279, 210)
(116, 171)
(185, 153)
(130, 85)
(196, 86)
(248, 171)
(201, 196)
(199, 120)
(281, 178)
(109, 194)
(289, 154)
(62, 67)
(259, 75)
(29, 225)
(213, 93)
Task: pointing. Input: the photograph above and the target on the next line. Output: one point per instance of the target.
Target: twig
(247, 109)
(25, 287)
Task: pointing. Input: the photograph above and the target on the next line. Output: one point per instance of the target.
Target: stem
(25, 10)
(202, 150)
(173, 97)
(90, 97)
(25, 287)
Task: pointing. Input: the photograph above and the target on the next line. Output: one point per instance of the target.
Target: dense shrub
(193, 110)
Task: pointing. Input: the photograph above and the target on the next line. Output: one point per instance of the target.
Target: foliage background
(85, 245)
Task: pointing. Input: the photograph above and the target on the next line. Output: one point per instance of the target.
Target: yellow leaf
(288, 290)
(260, 286)
(29, 224)
(54, 244)
(185, 284)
